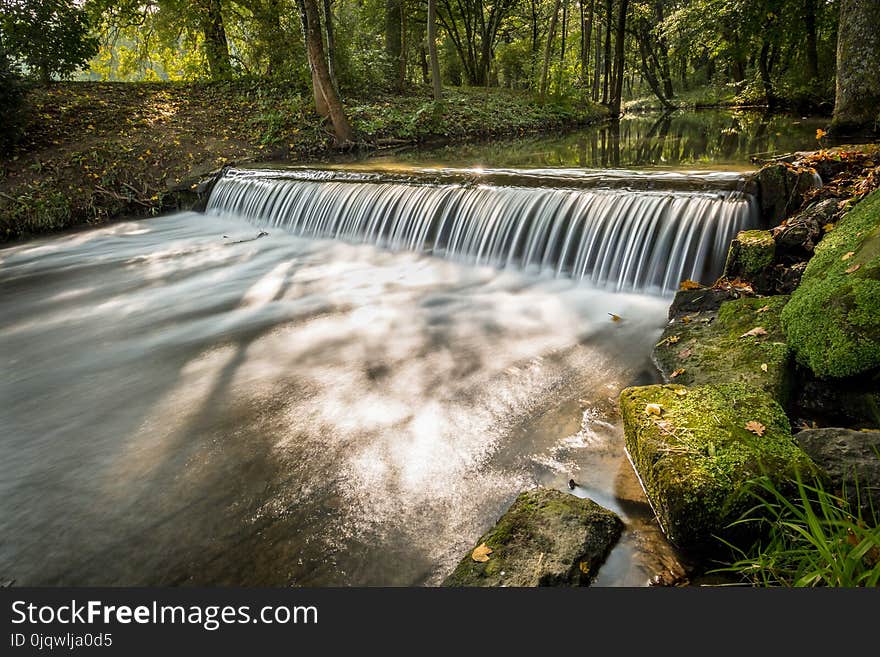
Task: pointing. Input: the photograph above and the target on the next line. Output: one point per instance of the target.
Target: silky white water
(185, 404)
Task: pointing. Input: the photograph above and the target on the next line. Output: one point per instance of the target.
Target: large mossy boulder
(546, 538)
(696, 449)
(741, 342)
(833, 319)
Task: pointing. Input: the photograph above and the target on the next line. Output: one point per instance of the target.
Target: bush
(13, 106)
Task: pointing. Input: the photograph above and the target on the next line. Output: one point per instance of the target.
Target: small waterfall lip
(614, 229)
(558, 178)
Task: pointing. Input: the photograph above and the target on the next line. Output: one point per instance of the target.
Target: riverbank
(94, 151)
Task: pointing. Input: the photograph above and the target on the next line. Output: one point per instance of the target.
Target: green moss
(709, 348)
(750, 253)
(696, 457)
(833, 319)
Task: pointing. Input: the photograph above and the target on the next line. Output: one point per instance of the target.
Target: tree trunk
(321, 76)
(214, 32)
(432, 49)
(663, 52)
(764, 69)
(331, 43)
(609, 19)
(812, 47)
(394, 40)
(596, 64)
(321, 106)
(619, 62)
(545, 70)
(586, 38)
(562, 46)
(857, 96)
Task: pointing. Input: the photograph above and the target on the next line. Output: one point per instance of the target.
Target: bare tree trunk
(596, 64)
(321, 76)
(609, 18)
(586, 38)
(432, 50)
(321, 106)
(562, 46)
(331, 43)
(214, 33)
(545, 71)
(619, 60)
(764, 70)
(394, 40)
(857, 97)
(812, 47)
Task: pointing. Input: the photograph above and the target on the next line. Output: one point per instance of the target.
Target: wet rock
(700, 300)
(833, 319)
(781, 189)
(750, 253)
(850, 458)
(191, 193)
(695, 456)
(853, 402)
(709, 347)
(796, 238)
(546, 538)
(784, 279)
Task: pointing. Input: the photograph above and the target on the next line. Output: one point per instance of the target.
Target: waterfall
(617, 230)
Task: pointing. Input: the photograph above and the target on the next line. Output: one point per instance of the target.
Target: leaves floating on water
(481, 553)
(850, 270)
(653, 409)
(677, 372)
(615, 318)
(758, 330)
(755, 427)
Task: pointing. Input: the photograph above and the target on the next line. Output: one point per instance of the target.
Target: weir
(618, 230)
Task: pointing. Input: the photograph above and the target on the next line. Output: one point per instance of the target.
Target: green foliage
(50, 37)
(811, 539)
(13, 106)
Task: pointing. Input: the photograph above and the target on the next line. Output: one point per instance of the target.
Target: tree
(432, 50)
(210, 14)
(473, 27)
(51, 37)
(857, 93)
(323, 85)
(551, 34)
(619, 59)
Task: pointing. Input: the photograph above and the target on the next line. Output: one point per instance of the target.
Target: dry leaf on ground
(481, 553)
(850, 270)
(653, 409)
(755, 427)
(758, 330)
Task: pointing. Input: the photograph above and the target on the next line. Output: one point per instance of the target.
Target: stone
(750, 253)
(708, 347)
(696, 458)
(833, 319)
(797, 237)
(784, 279)
(781, 189)
(546, 538)
(851, 460)
(699, 300)
(853, 402)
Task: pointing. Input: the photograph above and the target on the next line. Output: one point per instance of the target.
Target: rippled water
(183, 403)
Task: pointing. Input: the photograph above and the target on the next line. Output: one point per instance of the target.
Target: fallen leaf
(684, 354)
(686, 319)
(763, 309)
(672, 339)
(847, 255)
(763, 367)
(828, 228)
(681, 392)
(758, 330)
(850, 270)
(653, 409)
(615, 318)
(676, 373)
(755, 427)
(481, 553)
(585, 567)
(689, 285)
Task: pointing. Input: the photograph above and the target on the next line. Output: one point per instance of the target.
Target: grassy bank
(94, 151)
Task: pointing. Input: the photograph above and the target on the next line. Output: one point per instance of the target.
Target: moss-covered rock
(781, 189)
(750, 253)
(709, 347)
(694, 454)
(833, 319)
(546, 538)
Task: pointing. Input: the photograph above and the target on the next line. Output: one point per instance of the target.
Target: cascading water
(621, 231)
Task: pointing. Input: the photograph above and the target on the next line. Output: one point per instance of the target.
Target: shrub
(13, 106)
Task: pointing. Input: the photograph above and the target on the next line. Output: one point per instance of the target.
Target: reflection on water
(184, 404)
(704, 139)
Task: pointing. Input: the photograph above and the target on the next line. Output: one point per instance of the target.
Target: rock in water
(750, 254)
(696, 457)
(851, 459)
(546, 538)
(833, 319)
(781, 188)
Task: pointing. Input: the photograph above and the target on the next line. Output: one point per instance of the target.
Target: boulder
(833, 319)
(696, 449)
(713, 347)
(797, 236)
(750, 254)
(852, 402)
(781, 189)
(852, 461)
(699, 300)
(546, 538)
